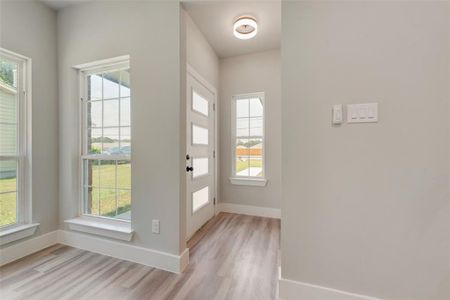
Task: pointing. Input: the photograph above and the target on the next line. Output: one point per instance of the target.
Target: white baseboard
(125, 251)
(27, 247)
(149, 257)
(250, 210)
(295, 290)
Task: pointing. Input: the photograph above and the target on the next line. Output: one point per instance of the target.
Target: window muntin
(248, 136)
(15, 188)
(106, 153)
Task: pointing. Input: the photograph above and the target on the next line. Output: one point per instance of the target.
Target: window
(106, 140)
(248, 137)
(15, 140)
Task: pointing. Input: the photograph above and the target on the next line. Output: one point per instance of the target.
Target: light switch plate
(362, 113)
(155, 226)
(337, 114)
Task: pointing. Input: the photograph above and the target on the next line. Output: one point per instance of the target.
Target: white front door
(200, 165)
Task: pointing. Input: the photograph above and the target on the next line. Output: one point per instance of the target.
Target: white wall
(258, 72)
(29, 28)
(365, 207)
(149, 31)
(200, 54)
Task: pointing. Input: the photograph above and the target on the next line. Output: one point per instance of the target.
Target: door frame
(191, 71)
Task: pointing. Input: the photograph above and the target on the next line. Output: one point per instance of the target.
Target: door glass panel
(200, 198)
(200, 167)
(199, 135)
(199, 104)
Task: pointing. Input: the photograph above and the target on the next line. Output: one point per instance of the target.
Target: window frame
(24, 143)
(84, 70)
(247, 180)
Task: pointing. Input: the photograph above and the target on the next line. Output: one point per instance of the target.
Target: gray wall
(200, 54)
(365, 208)
(29, 28)
(258, 72)
(149, 31)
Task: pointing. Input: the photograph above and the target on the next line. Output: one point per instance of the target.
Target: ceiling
(60, 4)
(215, 20)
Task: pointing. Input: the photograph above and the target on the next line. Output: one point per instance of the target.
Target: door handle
(189, 169)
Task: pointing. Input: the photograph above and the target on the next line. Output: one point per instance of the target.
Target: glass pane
(94, 140)
(199, 135)
(8, 71)
(125, 116)
(242, 129)
(8, 209)
(125, 140)
(242, 147)
(200, 166)
(91, 203)
(256, 126)
(91, 172)
(94, 87)
(125, 83)
(107, 202)
(111, 85)
(200, 198)
(107, 174)
(199, 103)
(242, 165)
(256, 107)
(124, 174)
(242, 108)
(8, 192)
(124, 204)
(256, 166)
(111, 141)
(8, 105)
(94, 110)
(111, 113)
(8, 139)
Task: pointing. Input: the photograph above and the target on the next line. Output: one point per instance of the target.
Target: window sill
(248, 181)
(17, 233)
(120, 230)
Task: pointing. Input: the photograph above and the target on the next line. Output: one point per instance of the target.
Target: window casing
(106, 140)
(15, 140)
(248, 137)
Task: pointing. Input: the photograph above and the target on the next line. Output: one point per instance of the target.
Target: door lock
(191, 169)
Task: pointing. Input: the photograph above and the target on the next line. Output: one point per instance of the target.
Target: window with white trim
(106, 140)
(248, 136)
(15, 140)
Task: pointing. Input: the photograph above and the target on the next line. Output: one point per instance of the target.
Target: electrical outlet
(155, 226)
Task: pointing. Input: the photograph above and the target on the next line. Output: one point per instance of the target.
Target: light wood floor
(236, 258)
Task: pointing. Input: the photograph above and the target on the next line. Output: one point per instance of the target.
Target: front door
(200, 165)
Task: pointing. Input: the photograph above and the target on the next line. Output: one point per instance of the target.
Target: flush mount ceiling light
(245, 28)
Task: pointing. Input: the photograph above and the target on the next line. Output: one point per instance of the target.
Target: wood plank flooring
(236, 258)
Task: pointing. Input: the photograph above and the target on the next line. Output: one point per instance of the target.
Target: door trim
(191, 71)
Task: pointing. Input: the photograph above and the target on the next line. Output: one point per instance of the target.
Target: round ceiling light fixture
(245, 28)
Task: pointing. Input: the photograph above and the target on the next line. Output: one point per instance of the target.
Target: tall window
(248, 136)
(106, 141)
(15, 155)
